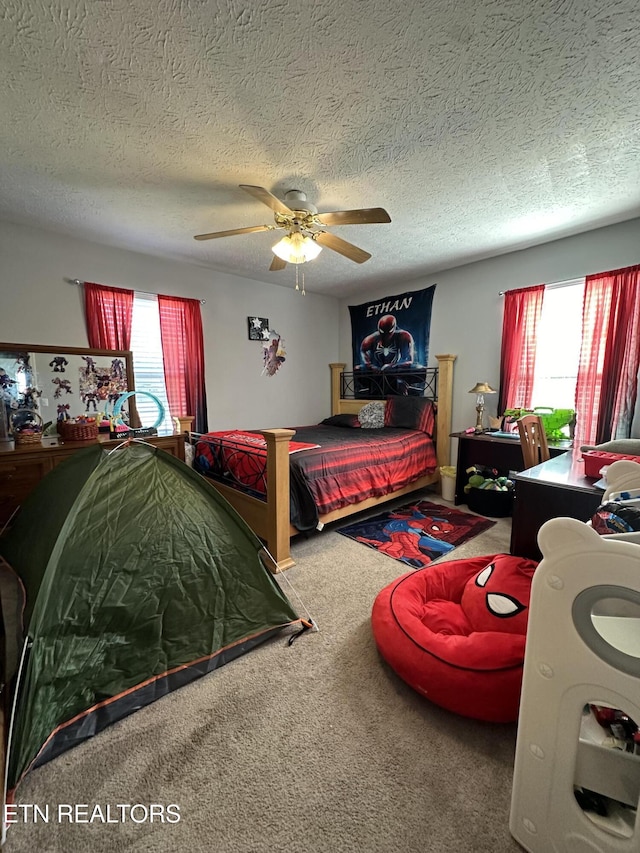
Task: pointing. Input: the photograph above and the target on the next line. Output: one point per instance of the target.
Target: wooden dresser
(21, 470)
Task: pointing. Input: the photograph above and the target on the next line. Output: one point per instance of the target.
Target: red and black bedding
(332, 464)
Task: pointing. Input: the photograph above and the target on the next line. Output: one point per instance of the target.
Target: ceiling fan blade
(251, 230)
(267, 198)
(342, 247)
(354, 217)
(277, 264)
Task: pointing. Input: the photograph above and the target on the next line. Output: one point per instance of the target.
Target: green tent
(138, 578)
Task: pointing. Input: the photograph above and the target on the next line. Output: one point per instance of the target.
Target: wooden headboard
(341, 405)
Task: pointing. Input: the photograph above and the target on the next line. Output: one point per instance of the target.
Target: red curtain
(607, 380)
(522, 310)
(108, 312)
(183, 353)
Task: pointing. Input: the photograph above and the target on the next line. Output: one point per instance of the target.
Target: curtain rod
(567, 283)
(78, 281)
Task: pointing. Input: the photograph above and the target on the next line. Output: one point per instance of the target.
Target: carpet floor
(317, 746)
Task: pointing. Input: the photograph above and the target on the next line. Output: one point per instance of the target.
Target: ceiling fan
(304, 226)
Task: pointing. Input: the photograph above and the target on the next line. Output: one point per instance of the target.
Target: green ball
(476, 480)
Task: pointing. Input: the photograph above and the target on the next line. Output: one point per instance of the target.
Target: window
(595, 321)
(558, 341)
(146, 345)
(168, 331)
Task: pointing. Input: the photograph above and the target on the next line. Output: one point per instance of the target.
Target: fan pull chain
(304, 292)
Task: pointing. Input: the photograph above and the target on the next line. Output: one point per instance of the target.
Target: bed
(287, 481)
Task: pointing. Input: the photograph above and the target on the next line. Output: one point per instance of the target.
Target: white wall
(38, 306)
(467, 308)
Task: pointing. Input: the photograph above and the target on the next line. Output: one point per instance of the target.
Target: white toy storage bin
(583, 648)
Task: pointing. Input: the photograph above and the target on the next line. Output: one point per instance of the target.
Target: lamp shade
(296, 248)
(482, 388)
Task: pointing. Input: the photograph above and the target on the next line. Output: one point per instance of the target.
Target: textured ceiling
(480, 126)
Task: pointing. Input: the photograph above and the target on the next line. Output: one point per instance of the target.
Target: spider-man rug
(418, 533)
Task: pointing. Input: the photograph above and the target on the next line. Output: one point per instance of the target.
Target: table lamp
(480, 389)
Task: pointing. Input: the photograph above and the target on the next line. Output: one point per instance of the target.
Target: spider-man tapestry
(419, 533)
(390, 341)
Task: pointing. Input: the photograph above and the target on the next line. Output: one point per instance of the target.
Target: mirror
(48, 383)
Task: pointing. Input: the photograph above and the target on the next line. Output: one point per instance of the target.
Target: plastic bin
(490, 502)
(594, 460)
(448, 482)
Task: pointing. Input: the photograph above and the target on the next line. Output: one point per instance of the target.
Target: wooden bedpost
(183, 424)
(278, 498)
(445, 399)
(336, 371)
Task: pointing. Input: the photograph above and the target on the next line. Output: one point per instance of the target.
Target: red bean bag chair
(455, 632)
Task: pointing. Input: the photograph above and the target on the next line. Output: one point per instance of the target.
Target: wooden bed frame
(270, 519)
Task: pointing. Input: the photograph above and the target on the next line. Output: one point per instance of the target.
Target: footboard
(267, 515)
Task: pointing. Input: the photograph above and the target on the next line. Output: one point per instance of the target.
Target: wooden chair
(534, 440)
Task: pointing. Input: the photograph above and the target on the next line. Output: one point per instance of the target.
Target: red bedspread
(346, 467)
(365, 463)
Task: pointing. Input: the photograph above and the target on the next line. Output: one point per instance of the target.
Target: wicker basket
(69, 431)
(26, 439)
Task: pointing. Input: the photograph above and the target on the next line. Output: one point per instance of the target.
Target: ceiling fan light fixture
(296, 248)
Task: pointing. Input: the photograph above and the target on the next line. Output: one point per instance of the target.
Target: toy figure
(117, 368)
(58, 363)
(63, 385)
(28, 398)
(5, 380)
(22, 362)
(63, 412)
(91, 365)
(90, 398)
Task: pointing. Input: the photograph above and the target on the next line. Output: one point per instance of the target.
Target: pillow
(371, 415)
(342, 421)
(410, 413)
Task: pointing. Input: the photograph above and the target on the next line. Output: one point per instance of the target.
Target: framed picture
(61, 382)
(258, 328)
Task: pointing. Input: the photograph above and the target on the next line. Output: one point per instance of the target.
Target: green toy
(553, 420)
(479, 480)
